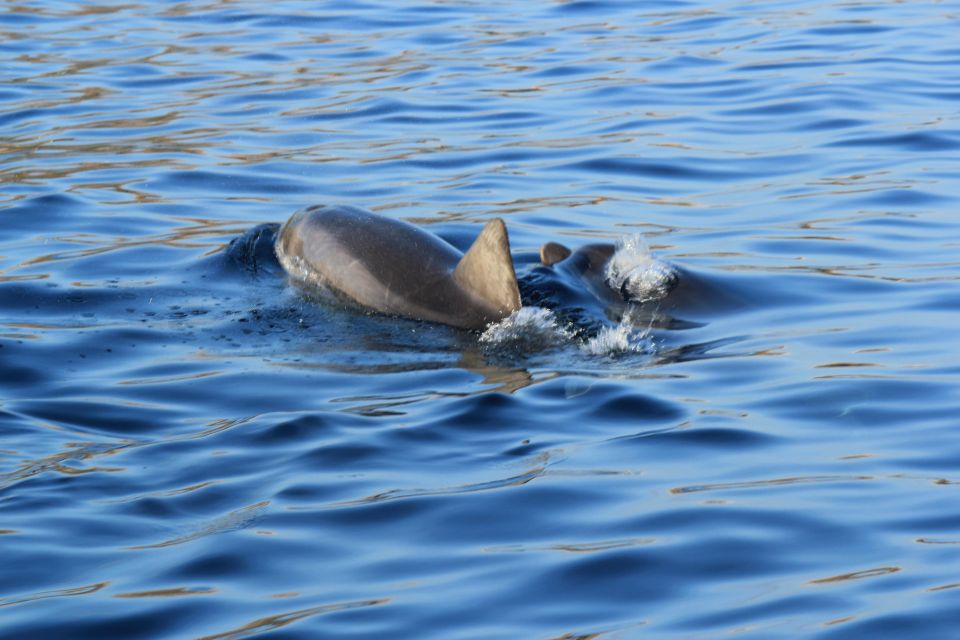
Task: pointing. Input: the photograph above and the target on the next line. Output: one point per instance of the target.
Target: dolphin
(395, 268)
(641, 280)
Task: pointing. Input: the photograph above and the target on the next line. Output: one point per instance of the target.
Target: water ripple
(194, 448)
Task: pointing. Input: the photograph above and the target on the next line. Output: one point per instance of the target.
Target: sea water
(190, 447)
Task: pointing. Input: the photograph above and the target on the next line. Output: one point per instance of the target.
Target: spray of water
(636, 274)
(626, 337)
(633, 271)
(611, 340)
(527, 329)
(533, 329)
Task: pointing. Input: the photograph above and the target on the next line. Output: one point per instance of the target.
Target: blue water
(192, 448)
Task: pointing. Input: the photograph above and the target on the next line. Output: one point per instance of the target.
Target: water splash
(532, 329)
(636, 274)
(610, 340)
(526, 329)
(623, 338)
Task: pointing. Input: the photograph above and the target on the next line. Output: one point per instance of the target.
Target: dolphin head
(625, 272)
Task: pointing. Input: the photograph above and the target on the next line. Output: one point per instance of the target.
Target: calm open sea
(191, 448)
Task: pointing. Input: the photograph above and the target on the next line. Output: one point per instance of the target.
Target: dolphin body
(395, 268)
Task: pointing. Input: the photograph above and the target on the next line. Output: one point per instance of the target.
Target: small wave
(636, 274)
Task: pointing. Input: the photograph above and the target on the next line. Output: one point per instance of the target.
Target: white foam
(609, 340)
(623, 338)
(528, 329)
(634, 271)
(532, 329)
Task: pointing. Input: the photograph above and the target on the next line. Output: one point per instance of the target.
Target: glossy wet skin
(581, 292)
(392, 267)
(589, 264)
(385, 265)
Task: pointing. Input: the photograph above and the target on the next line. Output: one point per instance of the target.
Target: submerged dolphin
(637, 278)
(395, 268)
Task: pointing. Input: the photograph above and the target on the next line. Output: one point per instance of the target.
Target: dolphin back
(393, 267)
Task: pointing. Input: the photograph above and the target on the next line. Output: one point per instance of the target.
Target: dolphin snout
(644, 283)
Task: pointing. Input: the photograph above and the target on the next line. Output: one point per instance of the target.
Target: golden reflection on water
(168, 593)
(55, 593)
(24, 277)
(200, 234)
(776, 482)
(75, 453)
(43, 326)
(20, 336)
(164, 494)
(574, 547)
(843, 365)
(380, 406)
(398, 494)
(836, 621)
(278, 621)
(582, 636)
(857, 575)
(168, 379)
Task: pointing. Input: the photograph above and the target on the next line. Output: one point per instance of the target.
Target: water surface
(192, 448)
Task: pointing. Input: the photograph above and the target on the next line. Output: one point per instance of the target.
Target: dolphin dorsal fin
(552, 253)
(487, 268)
